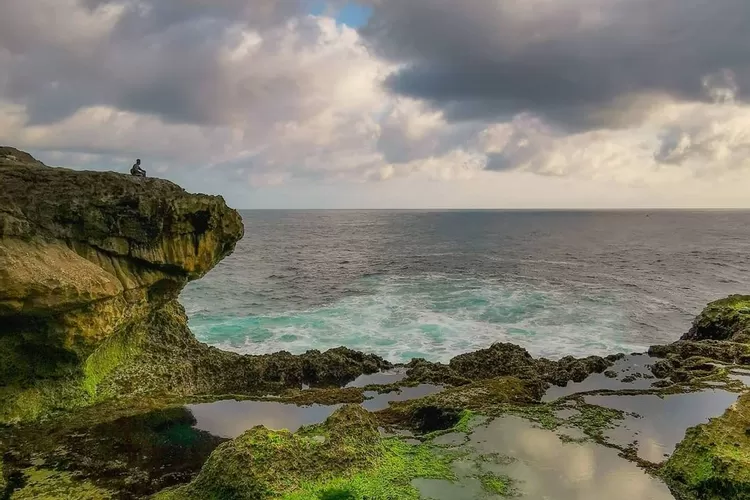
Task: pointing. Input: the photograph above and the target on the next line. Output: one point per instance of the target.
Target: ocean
(434, 284)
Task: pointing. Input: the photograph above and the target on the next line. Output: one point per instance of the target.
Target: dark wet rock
(721, 351)
(484, 396)
(502, 360)
(725, 319)
(498, 360)
(570, 368)
(419, 370)
(662, 368)
(684, 361)
(713, 461)
(432, 418)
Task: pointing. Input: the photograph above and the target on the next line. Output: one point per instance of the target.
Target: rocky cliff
(85, 254)
(91, 264)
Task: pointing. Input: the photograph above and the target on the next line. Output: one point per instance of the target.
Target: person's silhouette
(136, 169)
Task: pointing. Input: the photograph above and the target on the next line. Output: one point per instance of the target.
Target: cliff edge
(91, 265)
(84, 254)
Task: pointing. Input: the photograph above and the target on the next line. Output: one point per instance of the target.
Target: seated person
(136, 169)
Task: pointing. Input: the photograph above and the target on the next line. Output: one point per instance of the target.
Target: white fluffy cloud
(273, 99)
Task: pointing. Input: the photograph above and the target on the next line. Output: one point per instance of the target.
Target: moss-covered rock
(343, 458)
(46, 484)
(266, 464)
(725, 319)
(713, 461)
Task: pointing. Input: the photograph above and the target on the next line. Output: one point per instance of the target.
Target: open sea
(435, 284)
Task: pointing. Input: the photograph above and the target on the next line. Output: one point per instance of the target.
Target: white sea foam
(436, 317)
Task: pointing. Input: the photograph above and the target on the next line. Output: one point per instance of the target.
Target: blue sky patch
(352, 14)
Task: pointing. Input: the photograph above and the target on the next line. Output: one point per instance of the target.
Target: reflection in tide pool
(741, 375)
(231, 418)
(380, 378)
(541, 466)
(662, 422)
(381, 401)
(633, 372)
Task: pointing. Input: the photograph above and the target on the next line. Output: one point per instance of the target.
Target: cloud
(704, 137)
(435, 102)
(568, 61)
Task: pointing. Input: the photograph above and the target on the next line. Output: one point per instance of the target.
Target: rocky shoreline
(102, 382)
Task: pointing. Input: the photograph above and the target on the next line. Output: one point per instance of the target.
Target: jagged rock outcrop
(503, 360)
(725, 319)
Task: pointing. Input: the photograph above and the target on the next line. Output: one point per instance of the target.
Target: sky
(391, 103)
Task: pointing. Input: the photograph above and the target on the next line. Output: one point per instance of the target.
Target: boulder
(725, 319)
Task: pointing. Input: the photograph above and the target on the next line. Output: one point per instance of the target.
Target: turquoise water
(433, 317)
(437, 284)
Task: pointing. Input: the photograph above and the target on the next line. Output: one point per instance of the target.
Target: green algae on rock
(46, 484)
(3, 481)
(686, 361)
(713, 461)
(725, 319)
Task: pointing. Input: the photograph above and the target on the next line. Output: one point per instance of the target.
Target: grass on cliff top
(733, 302)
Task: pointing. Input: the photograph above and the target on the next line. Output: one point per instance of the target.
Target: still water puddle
(381, 378)
(167, 447)
(633, 372)
(741, 375)
(231, 418)
(662, 422)
(381, 401)
(541, 466)
(135, 456)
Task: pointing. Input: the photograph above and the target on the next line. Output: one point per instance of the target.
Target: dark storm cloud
(155, 16)
(161, 57)
(574, 61)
